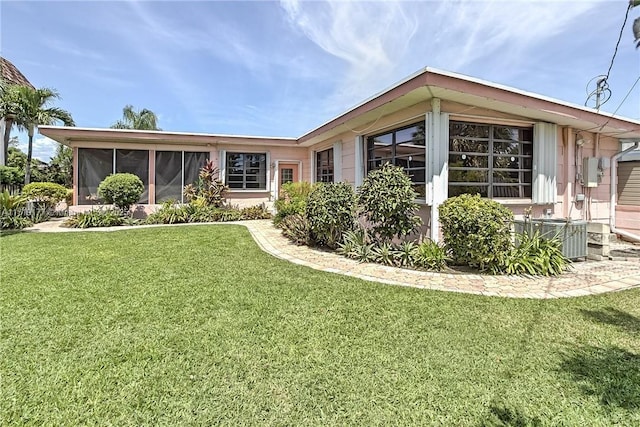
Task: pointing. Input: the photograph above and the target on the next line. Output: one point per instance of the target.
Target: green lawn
(196, 325)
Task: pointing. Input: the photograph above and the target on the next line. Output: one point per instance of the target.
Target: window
(246, 171)
(324, 166)
(491, 160)
(175, 170)
(137, 163)
(286, 175)
(402, 147)
(94, 165)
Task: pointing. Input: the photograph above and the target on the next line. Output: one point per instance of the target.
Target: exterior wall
(628, 208)
(236, 197)
(595, 207)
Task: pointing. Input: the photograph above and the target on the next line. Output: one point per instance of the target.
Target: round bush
(387, 200)
(48, 193)
(121, 189)
(331, 212)
(476, 231)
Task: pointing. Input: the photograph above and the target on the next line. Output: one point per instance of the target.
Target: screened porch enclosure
(168, 171)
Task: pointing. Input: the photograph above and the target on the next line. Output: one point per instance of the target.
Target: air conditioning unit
(573, 234)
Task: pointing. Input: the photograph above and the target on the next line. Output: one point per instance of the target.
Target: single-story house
(453, 134)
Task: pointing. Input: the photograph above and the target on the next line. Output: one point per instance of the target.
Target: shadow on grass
(503, 416)
(611, 374)
(612, 316)
(6, 233)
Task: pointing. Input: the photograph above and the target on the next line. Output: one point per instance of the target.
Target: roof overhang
(430, 83)
(75, 136)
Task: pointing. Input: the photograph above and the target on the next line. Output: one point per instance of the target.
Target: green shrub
(476, 231)
(68, 198)
(430, 256)
(45, 192)
(292, 200)
(9, 202)
(209, 190)
(10, 175)
(255, 212)
(406, 254)
(295, 227)
(384, 253)
(95, 218)
(536, 255)
(386, 199)
(121, 189)
(331, 212)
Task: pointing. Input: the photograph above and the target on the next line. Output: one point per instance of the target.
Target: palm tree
(32, 110)
(10, 77)
(141, 120)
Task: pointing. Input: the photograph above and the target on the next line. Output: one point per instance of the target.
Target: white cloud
(43, 147)
(382, 42)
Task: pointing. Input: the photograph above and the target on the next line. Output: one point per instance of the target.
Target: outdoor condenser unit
(573, 234)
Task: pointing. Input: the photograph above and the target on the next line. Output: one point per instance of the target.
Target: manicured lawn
(196, 325)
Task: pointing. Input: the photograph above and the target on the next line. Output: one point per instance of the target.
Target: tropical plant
(384, 253)
(405, 254)
(292, 200)
(95, 218)
(356, 245)
(48, 193)
(331, 212)
(255, 212)
(31, 108)
(10, 175)
(142, 120)
(476, 231)
(121, 189)
(386, 199)
(13, 215)
(296, 228)
(536, 255)
(170, 213)
(430, 256)
(209, 190)
(60, 168)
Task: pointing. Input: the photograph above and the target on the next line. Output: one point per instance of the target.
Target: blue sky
(283, 68)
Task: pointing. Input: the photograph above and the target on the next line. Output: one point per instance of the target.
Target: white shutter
(337, 161)
(545, 163)
(360, 169)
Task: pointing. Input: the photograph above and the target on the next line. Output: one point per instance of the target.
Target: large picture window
(246, 171)
(491, 160)
(175, 170)
(137, 163)
(402, 147)
(324, 166)
(94, 165)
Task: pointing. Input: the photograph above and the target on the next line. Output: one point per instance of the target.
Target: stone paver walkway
(585, 278)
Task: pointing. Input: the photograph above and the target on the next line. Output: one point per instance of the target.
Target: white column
(3, 125)
(437, 146)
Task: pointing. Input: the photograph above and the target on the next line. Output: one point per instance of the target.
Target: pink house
(452, 133)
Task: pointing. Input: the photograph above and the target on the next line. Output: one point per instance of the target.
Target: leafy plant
(296, 228)
(11, 175)
(476, 231)
(68, 198)
(406, 253)
(170, 213)
(121, 189)
(13, 215)
(536, 255)
(292, 200)
(209, 190)
(45, 192)
(255, 212)
(331, 212)
(430, 256)
(356, 245)
(386, 199)
(95, 218)
(384, 253)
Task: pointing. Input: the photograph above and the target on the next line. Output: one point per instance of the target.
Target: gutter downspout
(612, 186)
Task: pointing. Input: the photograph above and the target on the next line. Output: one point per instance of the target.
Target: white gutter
(614, 183)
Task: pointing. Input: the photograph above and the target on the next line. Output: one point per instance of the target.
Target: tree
(32, 110)
(8, 111)
(141, 120)
(60, 169)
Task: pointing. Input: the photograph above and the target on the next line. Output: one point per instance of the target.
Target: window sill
(512, 202)
(248, 191)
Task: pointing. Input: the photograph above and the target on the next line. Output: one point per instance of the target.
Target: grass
(195, 325)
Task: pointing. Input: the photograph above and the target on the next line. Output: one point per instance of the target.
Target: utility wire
(603, 84)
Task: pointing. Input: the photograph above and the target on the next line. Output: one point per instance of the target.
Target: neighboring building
(9, 74)
(453, 134)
